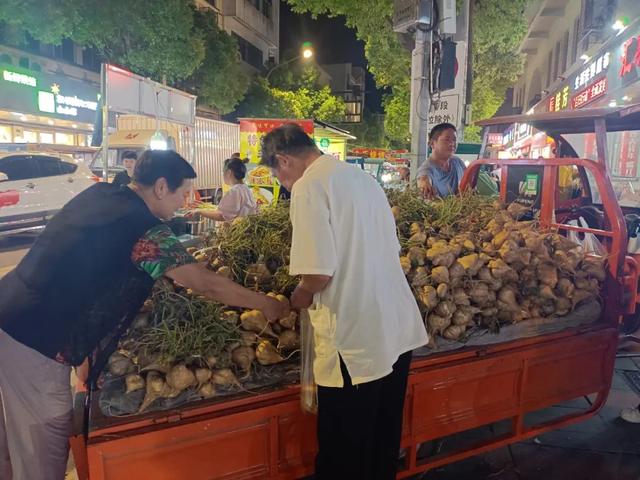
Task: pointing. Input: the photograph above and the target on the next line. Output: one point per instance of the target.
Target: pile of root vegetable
(472, 261)
(254, 250)
(185, 346)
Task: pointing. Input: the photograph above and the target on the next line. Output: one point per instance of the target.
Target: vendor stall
(266, 189)
(520, 317)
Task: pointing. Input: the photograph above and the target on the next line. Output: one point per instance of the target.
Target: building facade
(562, 37)
(48, 94)
(348, 81)
(255, 24)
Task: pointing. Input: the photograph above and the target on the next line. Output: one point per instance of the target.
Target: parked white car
(34, 186)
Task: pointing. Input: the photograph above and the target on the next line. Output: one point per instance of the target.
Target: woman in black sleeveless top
(87, 274)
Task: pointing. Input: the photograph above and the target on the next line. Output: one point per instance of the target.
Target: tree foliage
(369, 133)
(498, 28)
(295, 93)
(220, 81)
(167, 40)
(389, 63)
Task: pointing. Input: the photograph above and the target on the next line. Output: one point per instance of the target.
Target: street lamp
(306, 53)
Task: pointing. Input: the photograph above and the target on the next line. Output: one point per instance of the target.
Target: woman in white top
(238, 201)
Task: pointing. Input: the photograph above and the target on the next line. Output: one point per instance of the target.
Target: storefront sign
(590, 93)
(37, 93)
(560, 100)
(64, 105)
(522, 132)
(20, 78)
(630, 56)
(495, 139)
(252, 131)
(594, 69)
(445, 110)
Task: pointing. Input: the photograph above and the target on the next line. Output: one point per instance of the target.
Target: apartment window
(32, 45)
(549, 67)
(564, 52)
(91, 59)
(353, 112)
(556, 63)
(576, 39)
(249, 52)
(588, 13)
(67, 51)
(265, 7)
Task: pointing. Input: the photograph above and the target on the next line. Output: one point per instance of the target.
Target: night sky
(333, 42)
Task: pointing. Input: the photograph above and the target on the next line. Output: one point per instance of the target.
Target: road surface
(12, 249)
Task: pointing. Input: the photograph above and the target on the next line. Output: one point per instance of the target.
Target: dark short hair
(289, 139)
(130, 154)
(237, 166)
(439, 129)
(167, 164)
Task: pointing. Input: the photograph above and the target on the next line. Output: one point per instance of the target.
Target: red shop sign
(590, 93)
(630, 56)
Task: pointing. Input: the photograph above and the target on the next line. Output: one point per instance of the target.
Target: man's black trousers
(359, 427)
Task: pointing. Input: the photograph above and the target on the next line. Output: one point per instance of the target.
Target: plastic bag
(590, 243)
(308, 387)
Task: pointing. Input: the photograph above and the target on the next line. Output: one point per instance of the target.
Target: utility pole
(420, 88)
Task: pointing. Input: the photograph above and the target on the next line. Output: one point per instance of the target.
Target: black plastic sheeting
(115, 402)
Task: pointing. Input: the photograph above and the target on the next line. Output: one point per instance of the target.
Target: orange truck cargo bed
(267, 436)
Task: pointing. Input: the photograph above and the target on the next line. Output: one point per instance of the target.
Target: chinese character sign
(589, 94)
(252, 131)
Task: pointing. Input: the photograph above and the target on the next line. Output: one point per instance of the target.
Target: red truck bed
(268, 436)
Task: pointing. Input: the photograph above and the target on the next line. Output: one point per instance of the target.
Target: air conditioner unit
(411, 14)
(447, 14)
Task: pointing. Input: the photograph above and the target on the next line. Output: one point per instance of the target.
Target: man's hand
(426, 188)
(310, 285)
(301, 298)
(274, 309)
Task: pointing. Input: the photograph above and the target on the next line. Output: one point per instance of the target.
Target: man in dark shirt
(123, 178)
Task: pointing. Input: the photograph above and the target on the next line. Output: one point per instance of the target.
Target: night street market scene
(319, 239)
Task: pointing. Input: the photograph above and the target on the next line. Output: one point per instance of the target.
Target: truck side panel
(215, 141)
(206, 147)
(276, 440)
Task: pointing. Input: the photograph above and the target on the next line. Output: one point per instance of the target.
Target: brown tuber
(224, 377)
(133, 382)
(267, 354)
(180, 377)
(289, 340)
(243, 357)
(255, 321)
(440, 275)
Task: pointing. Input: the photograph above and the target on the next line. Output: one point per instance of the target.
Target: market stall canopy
(574, 121)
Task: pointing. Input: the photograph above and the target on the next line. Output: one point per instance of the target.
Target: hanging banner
(264, 186)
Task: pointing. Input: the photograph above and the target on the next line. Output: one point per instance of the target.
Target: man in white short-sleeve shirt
(365, 319)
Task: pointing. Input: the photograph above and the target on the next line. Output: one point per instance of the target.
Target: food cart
(264, 434)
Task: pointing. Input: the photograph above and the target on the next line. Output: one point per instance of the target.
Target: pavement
(12, 249)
